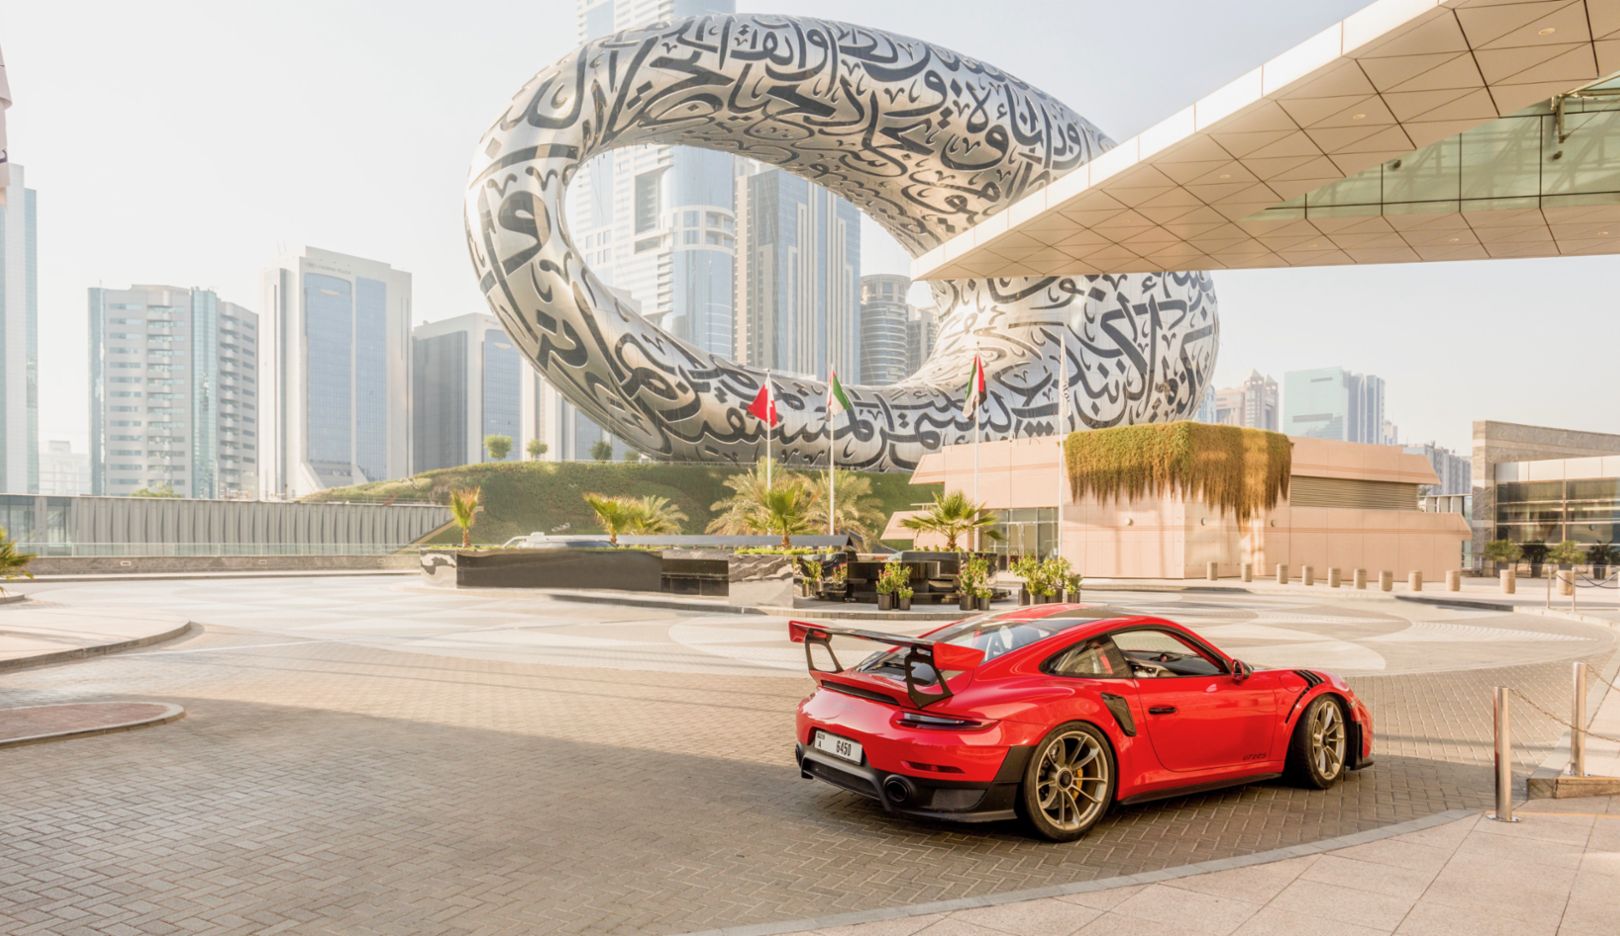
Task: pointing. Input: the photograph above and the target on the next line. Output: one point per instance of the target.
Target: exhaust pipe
(899, 790)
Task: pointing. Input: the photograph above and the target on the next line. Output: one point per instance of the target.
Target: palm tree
(13, 562)
(734, 514)
(951, 516)
(615, 514)
(786, 509)
(655, 514)
(855, 509)
(464, 506)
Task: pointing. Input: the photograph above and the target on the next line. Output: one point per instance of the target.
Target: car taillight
(946, 722)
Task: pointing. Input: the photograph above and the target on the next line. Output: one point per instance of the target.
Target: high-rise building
(468, 382)
(334, 373)
(656, 222)
(803, 271)
(1455, 471)
(173, 393)
(1333, 403)
(922, 330)
(19, 335)
(1252, 403)
(885, 316)
(63, 471)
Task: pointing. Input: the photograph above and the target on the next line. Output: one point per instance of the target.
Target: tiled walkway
(1556, 872)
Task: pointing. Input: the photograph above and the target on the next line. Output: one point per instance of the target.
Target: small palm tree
(464, 507)
(952, 516)
(734, 514)
(784, 510)
(616, 515)
(655, 514)
(13, 561)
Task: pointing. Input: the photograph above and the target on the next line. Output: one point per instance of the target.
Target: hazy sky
(184, 142)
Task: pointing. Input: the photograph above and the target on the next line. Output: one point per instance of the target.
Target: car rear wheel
(1316, 754)
(1069, 783)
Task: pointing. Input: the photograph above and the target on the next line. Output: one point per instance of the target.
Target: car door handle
(1162, 710)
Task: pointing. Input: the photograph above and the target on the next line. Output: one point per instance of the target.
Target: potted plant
(1536, 553)
(1503, 552)
(982, 595)
(1602, 556)
(1054, 573)
(1566, 554)
(894, 576)
(810, 582)
(1027, 568)
(1071, 588)
(972, 581)
(902, 597)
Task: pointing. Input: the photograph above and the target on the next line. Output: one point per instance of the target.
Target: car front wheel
(1069, 783)
(1317, 752)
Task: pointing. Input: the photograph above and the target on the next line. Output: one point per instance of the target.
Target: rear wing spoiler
(937, 655)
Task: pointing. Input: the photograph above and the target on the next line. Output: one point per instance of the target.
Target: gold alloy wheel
(1071, 785)
(1327, 739)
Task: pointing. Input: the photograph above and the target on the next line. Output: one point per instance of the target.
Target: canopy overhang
(1414, 130)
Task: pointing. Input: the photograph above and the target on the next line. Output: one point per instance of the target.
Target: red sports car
(1053, 713)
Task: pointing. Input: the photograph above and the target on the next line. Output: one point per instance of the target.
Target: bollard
(1454, 580)
(1386, 581)
(1504, 759)
(1510, 581)
(1212, 571)
(1414, 581)
(1566, 582)
(1333, 576)
(1307, 575)
(1577, 721)
(1282, 573)
(1247, 571)
(1359, 577)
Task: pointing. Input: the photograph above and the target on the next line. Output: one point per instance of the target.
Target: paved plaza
(368, 755)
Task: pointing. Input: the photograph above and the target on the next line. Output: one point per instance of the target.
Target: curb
(1084, 887)
(80, 653)
(170, 713)
(665, 604)
(839, 614)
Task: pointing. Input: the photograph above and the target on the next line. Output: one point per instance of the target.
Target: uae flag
(975, 388)
(837, 400)
(764, 405)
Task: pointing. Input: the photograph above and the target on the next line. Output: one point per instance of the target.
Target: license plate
(839, 747)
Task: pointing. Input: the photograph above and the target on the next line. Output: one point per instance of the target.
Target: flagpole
(832, 466)
(1063, 423)
(770, 428)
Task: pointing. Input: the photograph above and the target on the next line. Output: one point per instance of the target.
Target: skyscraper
(656, 222)
(1252, 403)
(334, 373)
(1455, 471)
(1333, 403)
(922, 330)
(803, 271)
(468, 382)
(19, 333)
(173, 393)
(885, 316)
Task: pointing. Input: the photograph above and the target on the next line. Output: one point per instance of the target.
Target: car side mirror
(1241, 670)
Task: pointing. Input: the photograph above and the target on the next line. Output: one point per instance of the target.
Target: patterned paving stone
(324, 785)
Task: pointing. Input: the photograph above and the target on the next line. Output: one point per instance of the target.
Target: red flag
(764, 406)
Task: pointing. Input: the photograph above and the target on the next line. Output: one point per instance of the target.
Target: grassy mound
(548, 497)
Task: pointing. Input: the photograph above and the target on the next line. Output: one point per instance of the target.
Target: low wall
(133, 565)
(627, 569)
